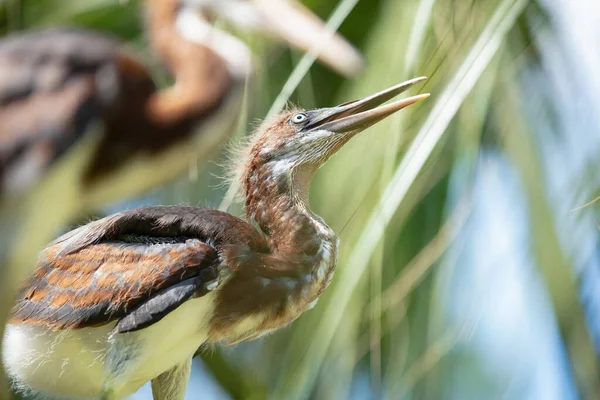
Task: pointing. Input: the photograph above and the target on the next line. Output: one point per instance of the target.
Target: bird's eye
(299, 118)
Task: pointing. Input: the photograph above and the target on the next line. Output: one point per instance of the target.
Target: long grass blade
(429, 135)
(417, 34)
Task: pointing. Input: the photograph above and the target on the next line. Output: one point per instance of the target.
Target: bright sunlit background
(468, 268)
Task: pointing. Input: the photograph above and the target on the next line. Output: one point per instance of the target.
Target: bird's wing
(112, 279)
(53, 85)
(134, 266)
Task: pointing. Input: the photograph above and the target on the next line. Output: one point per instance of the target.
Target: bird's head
(297, 142)
(286, 20)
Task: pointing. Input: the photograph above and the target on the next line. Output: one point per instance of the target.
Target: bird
(82, 123)
(87, 77)
(131, 297)
(301, 28)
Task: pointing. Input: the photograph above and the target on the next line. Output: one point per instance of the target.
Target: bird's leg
(172, 384)
(122, 360)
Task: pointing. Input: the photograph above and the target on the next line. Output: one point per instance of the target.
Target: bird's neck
(278, 201)
(188, 46)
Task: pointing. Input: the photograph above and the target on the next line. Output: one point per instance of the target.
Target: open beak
(355, 116)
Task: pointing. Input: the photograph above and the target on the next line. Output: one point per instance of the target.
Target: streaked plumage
(82, 123)
(143, 289)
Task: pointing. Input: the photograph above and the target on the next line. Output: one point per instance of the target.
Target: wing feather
(130, 267)
(104, 282)
(55, 84)
(62, 70)
(159, 305)
(212, 226)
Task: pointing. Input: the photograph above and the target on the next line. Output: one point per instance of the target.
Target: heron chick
(129, 298)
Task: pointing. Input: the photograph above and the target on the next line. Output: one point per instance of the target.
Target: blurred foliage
(389, 337)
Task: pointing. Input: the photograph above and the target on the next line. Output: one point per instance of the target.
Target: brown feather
(54, 84)
(101, 271)
(101, 283)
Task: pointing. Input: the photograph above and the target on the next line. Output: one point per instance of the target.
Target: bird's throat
(287, 281)
(277, 199)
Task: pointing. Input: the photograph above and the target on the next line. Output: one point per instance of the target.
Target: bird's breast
(70, 363)
(247, 308)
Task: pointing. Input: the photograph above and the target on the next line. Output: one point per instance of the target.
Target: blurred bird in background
(90, 78)
(83, 124)
(469, 264)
